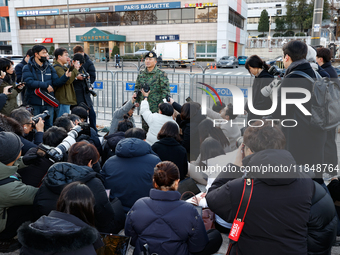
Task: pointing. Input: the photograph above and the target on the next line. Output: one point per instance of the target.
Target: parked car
(15, 58)
(242, 60)
(273, 61)
(228, 61)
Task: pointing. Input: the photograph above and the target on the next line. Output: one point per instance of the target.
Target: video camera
(56, 154)
(44, 115)
(146, 89)
(89, 87)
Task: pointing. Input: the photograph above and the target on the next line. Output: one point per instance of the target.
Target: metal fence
(118, 87)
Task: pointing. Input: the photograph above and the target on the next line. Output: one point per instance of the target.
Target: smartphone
(188, 99)
(70, 68)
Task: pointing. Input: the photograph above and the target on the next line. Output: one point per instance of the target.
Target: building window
(129, 47)
(236, 19)
(206, 49)
(279, 11)
(131, 18)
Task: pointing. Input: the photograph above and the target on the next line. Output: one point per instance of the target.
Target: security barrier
(114, 88)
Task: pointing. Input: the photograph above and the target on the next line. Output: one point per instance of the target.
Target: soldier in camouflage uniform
(158, 82)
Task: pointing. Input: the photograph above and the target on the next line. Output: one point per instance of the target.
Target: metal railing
(118, 87)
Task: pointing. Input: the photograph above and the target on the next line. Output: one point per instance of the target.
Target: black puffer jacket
(110, 145)
(284, 215)
(61, 174)
(59, 234)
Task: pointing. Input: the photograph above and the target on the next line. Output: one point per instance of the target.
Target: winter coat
(118, 115)
(13, 193)
(110, 145)
(288, 223)
(230, 130)
(330, 70)
(168, 149)
(168, 225)
(58, 234)
(83, 96)
(3, 100)
(18, 69)
(34, 173)
(260, 102)
(41, 77)
(190, 135)
(61, 174)
(65, 94)
(11, 103)
(129, 173)
(89, 67)
(304, 143)
(155, 122)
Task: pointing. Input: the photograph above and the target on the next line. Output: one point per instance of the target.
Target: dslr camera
(88, 87)
(146, 89)
(44, 115)
(56, 154)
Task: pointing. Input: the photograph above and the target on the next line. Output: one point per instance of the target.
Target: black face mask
(43, 59)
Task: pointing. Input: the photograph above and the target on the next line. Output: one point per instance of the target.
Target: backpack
(325, 101)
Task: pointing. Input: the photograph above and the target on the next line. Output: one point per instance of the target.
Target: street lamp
(68, 25)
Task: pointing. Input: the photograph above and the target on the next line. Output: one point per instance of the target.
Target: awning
(96, 35)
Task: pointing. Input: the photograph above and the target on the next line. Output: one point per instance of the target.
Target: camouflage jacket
(159, 86)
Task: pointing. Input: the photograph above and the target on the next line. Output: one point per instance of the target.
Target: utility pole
(317, 21)
(68, 22)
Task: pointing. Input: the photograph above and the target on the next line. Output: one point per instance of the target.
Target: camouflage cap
(151, 54)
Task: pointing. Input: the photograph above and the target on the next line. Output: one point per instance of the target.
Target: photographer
(7, 78)
(65, 94)
(35, 172)
(25, 119)
(82, 89)
(118, 115)
(259, 69)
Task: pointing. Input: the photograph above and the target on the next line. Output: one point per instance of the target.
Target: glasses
(31, 123)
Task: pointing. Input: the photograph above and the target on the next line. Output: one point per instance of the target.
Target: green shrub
(277, 34)
(288, 33)
(300, 34)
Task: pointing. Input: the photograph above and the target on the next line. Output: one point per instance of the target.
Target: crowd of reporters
(56, 169)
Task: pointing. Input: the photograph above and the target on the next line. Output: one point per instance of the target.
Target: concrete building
(5, 32)
(215, 28)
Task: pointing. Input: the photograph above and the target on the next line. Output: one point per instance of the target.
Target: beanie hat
(13, 146)
(38, 48)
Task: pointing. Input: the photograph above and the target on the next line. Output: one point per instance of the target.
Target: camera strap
(236, 228)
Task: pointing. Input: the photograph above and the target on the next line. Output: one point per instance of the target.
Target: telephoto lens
(44, 115)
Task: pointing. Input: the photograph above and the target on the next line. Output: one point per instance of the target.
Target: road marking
(228, 73)
(217, 72)
(239, 73)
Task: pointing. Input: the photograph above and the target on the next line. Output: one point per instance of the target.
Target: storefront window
(162, 16)
(129, 47)
(132, 18)
(60, 21)
(40, 22)
(90, 20)
(175, 16)
(22, 22)
(188, 15)
(138, 46)
(200, 47)
(206, 49)
(101, 19)
(213, 11)
(211, 46)
(113, 19)
(50, 22)
(149, 17)
(30, 22)
(77, 20)
(202, 15)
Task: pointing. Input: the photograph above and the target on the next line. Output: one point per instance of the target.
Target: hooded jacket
(18, 69)
(168, 149)
(89, 67)
(13, 193)
(129, 173)
(280, 217)
(82, 94)
(61, 174)
(110, 145)
(169, 226)
(65, 93)
(37, 76)
(59, 234)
